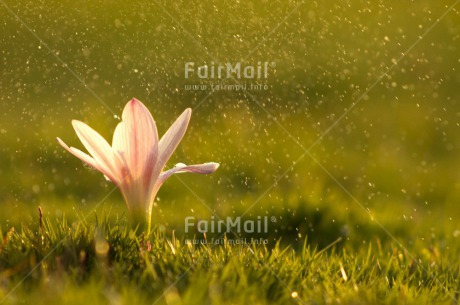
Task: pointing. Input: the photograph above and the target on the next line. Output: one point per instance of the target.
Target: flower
(136, 159)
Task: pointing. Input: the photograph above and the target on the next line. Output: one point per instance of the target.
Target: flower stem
(139, 220)
(149, 221)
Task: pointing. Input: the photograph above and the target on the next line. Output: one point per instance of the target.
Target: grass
(107, 263)
(374, 221)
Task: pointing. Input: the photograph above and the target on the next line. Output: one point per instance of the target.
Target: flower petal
(87, 159)
(99, 149)
(171, 139)
(118, 140)
(136, 139)
(205, 168)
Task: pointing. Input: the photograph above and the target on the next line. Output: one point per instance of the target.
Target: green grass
(381, 203)
(56, 262)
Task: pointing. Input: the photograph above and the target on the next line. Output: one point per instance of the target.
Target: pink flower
(136, 159)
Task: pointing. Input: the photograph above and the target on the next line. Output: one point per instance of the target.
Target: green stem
(149, 221)
(139, 220)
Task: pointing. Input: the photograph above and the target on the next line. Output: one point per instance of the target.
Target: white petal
(205, 168)
(136, 139)
(171, 139)
(99, 149)
(118, 140)
(87, 159)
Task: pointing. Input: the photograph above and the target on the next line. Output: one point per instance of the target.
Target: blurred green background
(396, 152)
